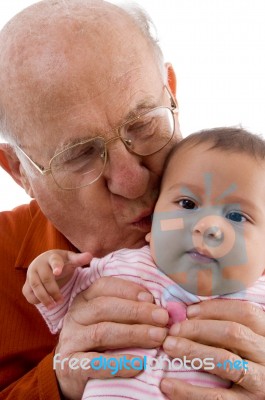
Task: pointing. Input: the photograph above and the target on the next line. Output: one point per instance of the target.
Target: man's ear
(11, 164)
(172, 83)
(171, 78)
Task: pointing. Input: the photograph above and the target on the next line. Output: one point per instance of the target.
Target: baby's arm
(49, 272)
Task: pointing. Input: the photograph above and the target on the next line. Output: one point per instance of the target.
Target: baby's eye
(187, 204)
(236, 216)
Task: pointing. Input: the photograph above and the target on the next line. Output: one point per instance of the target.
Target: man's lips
(201, 256)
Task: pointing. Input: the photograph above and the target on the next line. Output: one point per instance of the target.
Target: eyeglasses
(83, 163)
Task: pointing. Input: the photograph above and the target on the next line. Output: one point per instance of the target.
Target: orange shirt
(26, 345)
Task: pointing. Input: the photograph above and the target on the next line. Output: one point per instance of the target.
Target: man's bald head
(70, 71)
(38, 45)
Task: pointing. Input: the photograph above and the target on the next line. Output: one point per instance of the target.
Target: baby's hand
(50, 271)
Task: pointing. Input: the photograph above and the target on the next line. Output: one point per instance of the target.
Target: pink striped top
(138, 266)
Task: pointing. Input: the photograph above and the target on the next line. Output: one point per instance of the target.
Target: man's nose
(125, 174)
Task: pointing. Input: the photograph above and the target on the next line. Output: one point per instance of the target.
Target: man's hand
(111, 314)
(221, 329)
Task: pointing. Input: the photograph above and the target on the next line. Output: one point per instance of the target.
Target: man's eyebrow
(71, 142)
(140, 108)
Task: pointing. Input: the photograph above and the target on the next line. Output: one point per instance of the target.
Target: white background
(217, 49)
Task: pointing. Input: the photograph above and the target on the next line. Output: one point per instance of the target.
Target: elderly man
(81, 83)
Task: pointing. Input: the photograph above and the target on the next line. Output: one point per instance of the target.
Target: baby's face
(208, 231)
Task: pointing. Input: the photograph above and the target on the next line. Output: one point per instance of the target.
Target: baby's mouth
(202, 256)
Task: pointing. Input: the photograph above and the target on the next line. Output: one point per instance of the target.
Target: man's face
(209, 221)
(98, 86)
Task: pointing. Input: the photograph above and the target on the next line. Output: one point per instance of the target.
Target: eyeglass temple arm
(41, 169)
(174, 104)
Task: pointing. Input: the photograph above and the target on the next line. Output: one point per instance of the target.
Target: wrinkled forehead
(49, 41)
(52, 19)
(52, 54)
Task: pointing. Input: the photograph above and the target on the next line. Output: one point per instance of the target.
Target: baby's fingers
(78, 259)
(45, 288)
(56, 263)
(28, 293)
(71, 262)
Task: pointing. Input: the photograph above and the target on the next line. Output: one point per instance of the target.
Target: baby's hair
(227, 139)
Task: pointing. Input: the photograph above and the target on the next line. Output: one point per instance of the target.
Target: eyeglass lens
(83, 163)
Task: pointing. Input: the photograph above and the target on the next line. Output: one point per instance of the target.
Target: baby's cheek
(177, 312)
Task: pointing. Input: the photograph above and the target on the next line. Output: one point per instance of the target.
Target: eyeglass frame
(44, 172)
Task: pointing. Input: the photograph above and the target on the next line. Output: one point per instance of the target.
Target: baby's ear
(148, 237)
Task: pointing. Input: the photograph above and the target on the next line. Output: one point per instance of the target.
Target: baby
(207, 240)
